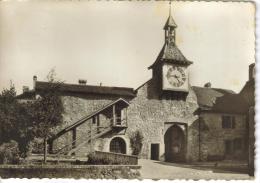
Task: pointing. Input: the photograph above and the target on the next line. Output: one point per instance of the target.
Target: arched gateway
(175, 145)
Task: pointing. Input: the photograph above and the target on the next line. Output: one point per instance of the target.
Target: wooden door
(155, 151)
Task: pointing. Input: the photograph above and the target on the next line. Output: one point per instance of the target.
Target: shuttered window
(228, 121)
(234, 145)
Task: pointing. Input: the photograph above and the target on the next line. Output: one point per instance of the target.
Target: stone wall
(251, 143)
(213, 136)
(71, 171)
(153, 115)
(77, 106)
(147, 112)
(113, 158)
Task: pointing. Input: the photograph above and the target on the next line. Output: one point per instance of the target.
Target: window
(232, 146)
(228, 122)
(117, 145)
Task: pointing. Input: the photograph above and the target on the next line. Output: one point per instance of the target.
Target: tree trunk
(45, 151)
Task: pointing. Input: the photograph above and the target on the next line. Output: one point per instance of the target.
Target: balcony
(119, 122)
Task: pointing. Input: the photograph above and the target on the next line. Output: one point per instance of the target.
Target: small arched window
(118, 145)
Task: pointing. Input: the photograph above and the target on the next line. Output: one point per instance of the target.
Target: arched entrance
(118, 145)
(174, 144)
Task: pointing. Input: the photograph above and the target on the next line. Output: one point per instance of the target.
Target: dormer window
(228, 121)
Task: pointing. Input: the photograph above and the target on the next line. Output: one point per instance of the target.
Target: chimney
(25, 89)
(251, 71)
(82, 81)
(34, 81)
(207, 85)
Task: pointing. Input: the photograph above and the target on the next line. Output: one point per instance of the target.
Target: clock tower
(170, 69)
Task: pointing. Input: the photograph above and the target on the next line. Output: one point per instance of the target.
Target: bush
(9, 153)
(37, 146)
(136, 141)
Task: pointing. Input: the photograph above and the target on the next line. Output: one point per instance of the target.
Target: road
(163, 170)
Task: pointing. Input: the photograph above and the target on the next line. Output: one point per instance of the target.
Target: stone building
(179, 122)
(248, 93)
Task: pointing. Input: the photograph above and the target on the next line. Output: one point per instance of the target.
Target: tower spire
(170, 22)
(169, 27)
(170, 8)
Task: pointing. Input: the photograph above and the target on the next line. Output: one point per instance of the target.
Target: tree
(14, 120)
(8, 108)
(136, 141)
(47, 110)
(23, 122)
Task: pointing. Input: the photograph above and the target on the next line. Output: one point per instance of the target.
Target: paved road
(163, 170)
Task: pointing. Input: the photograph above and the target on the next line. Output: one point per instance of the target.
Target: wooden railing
(118, 122)
(91, 134)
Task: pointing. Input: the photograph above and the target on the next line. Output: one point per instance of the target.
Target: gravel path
(163, 170)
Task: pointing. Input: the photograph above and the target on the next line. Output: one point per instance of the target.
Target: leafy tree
(8, 108)
(14, 120)
(136, 142)
(23, 122)
(46, 110)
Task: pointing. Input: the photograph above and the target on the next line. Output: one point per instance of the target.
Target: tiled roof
(26, 95)
(170, 23)
(77, 88)
(171, 53)
(219, 100)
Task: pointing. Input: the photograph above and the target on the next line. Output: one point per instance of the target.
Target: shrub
(136, 142)
(36, 146)
(9, 153)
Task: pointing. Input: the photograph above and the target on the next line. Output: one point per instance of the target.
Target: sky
(114, 43)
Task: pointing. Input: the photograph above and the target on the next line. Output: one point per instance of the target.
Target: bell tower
(170, 69)
(169, 29)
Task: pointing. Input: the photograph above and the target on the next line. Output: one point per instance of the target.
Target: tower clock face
(175, 77)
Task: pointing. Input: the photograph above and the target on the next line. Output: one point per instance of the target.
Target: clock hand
(178, 80)
(176, 76)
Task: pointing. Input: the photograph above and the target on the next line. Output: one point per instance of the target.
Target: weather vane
(170, 4)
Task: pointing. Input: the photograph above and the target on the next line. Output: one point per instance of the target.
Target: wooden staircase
(105, 130)
(117, 121)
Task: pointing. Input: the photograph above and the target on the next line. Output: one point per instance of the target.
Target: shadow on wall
(154, 91)
(95, 97)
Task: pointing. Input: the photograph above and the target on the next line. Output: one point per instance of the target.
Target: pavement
(163, 170)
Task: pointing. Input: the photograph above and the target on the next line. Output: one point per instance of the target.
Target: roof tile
(64, 87)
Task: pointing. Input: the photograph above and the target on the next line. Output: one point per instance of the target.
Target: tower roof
(171, 53)
(170, 23)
